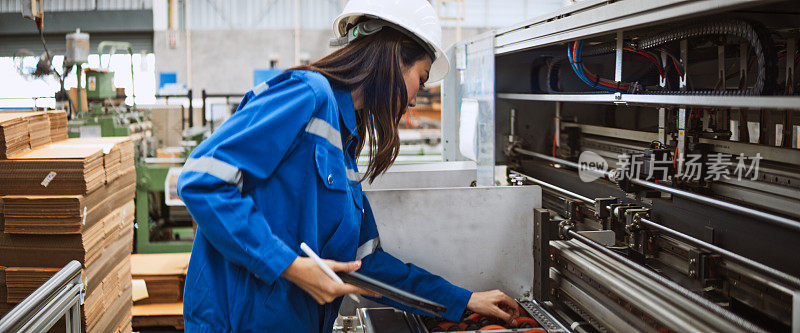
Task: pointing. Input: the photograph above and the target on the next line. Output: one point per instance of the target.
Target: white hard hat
(416, 17)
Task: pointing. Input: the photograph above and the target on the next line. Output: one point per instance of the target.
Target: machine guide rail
(638, 237)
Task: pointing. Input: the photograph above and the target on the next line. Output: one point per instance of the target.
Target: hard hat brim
(440, 66)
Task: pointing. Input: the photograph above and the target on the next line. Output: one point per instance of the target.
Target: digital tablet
(391, 292)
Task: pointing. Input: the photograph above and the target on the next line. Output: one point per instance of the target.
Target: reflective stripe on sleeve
(219, 169)
(367, 248)
(324, 130)
(261, 87)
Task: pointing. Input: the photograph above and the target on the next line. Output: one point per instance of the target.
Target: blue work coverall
(279, 172)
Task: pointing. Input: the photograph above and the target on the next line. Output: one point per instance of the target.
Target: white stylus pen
(310, 253)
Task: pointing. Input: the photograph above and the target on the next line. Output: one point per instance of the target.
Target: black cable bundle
(754, 33)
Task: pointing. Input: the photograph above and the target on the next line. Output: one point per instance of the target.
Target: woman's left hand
(492, 303)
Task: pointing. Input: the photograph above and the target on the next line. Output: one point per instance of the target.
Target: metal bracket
(516, 179)
(564, 227)
(662, 81)
(638, 238)
(573, 209)
(721, 66)
(681, 140)
(791, 49)
(694, 264)
(662, 125)
(684, 63)
(602, 206)
(618, 65)
(513, 139)
(744, 54)
(614, 220)
(542, 234)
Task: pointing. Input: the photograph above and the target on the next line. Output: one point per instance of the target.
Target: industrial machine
(164, 225)
(106, 113)
(665, 138)
(671, 129)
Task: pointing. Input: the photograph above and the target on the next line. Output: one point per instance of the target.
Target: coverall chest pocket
(330, 167)
(332, 197)
(339, 213)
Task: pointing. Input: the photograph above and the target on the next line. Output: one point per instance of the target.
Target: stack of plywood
(13, 134)
(163, 276)
(58, 125)
(40, 232)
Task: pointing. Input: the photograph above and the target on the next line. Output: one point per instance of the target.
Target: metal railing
(61, 295)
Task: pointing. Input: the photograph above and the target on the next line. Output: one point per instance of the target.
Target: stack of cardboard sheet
(53, 170)
(117, 153)
(38, 129)
(13, 134)
(58, 125)
(163, 275)
(105, 252)
(4, 306)
(40, 232)
(158, 315)
(22, 281)
(65, 214)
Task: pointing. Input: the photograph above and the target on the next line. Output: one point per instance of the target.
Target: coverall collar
(347, 112)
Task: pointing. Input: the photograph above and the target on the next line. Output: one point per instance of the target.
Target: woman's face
(415, 76)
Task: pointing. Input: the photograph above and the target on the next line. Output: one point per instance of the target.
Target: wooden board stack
(84, 212)
(164, 275)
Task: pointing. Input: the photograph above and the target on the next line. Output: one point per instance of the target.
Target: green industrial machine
(100, 122)
(152, 215)
(163, 223)
(107, 114)
(100, 84)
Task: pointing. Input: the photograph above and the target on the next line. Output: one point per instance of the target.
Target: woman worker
(282, 170)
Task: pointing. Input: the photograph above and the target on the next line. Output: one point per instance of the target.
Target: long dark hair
(372, 67)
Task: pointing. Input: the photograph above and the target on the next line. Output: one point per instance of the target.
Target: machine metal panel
(599, 17)
(478, 84)
(472, 78)
(480, 238)
(425, 175)
(751, 102)
(451, 103)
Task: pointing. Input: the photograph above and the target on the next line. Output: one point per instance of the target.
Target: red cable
(675, 159)
(677, 68)
(648, 57)
(591, 76)
(554, 145)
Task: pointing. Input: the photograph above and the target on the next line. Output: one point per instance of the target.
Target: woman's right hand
(305, 273)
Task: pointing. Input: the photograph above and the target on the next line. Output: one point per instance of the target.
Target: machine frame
(717, 254)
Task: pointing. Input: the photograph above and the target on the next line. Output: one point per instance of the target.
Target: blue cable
(579, 71)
